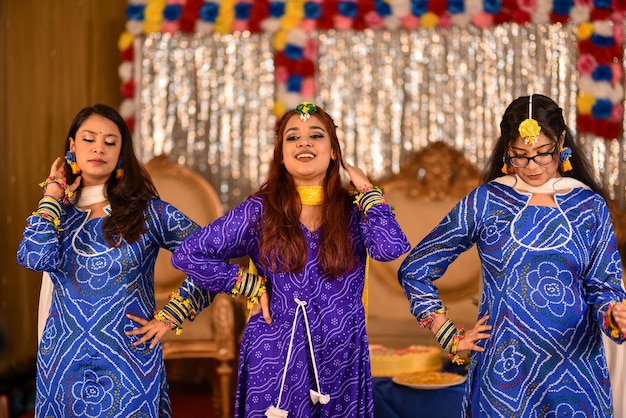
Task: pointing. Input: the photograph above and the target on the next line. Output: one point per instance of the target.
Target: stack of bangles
(49, 209)
(175, 312)
(448, 337)
(250, 285)
(369, 197)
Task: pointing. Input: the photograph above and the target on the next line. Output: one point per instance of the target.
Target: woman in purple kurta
(307, 354)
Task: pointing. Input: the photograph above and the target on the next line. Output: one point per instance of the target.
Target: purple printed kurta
(337, 350)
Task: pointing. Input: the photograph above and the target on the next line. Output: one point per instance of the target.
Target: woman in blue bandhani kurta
(307, 354)
(96, 233)
(551, 275)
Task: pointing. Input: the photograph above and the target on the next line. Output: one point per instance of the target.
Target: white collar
(90, 195)
(554, 185)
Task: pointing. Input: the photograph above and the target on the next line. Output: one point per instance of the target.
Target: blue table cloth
(396, 401)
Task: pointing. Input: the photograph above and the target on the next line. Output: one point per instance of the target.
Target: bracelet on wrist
(369, 197)
(50, 210)
(449, 337)
(67, 193)
(175, 311)
(250, 285)
(610, 324)
(426, 321)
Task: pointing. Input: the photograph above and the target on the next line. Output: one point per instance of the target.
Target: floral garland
(600, 109)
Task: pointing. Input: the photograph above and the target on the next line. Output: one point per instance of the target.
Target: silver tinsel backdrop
(207, 100)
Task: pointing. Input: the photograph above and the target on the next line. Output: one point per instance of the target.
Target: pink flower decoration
(618, 73)
(410, 22)
(482, 20)
(240, 25)
(169, 26)
(181, 2)
(445, 21)
(586, 64)
(310, 49)
(281, 74)
(308, 25)
(617, 17)
(308, 87)
(617, 113)
(374, 20)
(527, 6)
(618, 34)
(584, 3)
(342, 22)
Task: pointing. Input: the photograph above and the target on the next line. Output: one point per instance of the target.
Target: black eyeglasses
(543, 158)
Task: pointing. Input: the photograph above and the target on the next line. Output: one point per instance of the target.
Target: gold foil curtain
(207, 101)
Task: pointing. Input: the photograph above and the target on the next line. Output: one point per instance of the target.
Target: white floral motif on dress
(508, 364)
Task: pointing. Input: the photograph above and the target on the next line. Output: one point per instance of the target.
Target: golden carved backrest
(428, 185)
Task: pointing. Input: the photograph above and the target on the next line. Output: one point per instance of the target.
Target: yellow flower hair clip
(529, 128)
(305, 110)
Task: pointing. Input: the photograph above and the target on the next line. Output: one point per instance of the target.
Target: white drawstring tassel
(316, 396)
(274, 412)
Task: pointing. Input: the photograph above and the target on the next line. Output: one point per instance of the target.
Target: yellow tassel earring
(506, 169)
(119, 171)
(566, 165)
(70, 158)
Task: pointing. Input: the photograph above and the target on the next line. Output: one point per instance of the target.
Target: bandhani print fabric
(549, 274)
(277, 371)
(86, 365)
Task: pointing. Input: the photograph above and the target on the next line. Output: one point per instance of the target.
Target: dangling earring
(506, 169)
(70, 158)
(119, 171)
(566, 165)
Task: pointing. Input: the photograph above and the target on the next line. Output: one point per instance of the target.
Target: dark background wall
(56, 56)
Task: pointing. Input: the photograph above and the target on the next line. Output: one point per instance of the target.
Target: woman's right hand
(54, 189)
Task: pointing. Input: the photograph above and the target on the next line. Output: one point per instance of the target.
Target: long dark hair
(549, 116)
(283, 246)
(129, 195)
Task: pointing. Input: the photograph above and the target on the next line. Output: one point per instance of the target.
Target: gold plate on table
(429, 380)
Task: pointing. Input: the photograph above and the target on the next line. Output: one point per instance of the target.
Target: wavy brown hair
(129, 195)
(283, 246)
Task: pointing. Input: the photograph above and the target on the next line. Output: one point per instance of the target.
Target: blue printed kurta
(334, 310)
(86, 366)
(549, 274)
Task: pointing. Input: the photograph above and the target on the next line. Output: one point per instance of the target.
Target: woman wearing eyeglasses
(551, 275)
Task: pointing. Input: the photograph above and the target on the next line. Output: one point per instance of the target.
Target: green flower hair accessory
(529, 128)
(305, 110)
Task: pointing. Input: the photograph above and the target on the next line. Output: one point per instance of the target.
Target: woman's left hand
(357, 176)
(151, 330)
(481, 331)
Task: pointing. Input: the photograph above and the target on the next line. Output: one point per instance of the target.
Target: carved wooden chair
(427, 186)
(212, 334)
